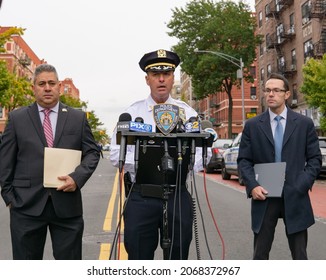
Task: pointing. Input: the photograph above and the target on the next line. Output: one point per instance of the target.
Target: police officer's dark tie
(278, 139)
(48, 128)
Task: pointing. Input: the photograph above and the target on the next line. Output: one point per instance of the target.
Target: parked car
(322, 146)
(106, 147)
(218, 149)
(230, 156)
(229, 161)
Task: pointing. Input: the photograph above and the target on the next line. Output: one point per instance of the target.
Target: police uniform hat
(159, 61)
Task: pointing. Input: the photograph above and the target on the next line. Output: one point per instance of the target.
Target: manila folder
(271, 176)
(59, 162)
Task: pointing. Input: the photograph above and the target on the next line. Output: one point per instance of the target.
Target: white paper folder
(271, 176)
(59, 162)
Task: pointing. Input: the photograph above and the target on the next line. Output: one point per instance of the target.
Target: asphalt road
(226, 236)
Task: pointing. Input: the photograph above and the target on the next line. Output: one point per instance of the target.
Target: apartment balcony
(274, 41)
(288, 33)
(318, 9)
(319, 48)
(25, 61)
(286, 2)
(288, 68)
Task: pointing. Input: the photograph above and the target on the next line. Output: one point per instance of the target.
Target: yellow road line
(107, 225)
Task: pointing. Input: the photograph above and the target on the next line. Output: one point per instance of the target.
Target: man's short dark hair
(44, 68)
(280, 77)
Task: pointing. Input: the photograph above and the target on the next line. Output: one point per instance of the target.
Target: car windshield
(220, 143)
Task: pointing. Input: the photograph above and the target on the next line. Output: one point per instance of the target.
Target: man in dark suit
(300, 150)
(33, 208)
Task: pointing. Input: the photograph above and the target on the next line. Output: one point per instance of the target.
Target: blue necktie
(278, 139)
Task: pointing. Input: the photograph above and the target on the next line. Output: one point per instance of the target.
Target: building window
(262, 76)
(278, 5)
(1, 113)
(253, 93)
(261, 49)
(308, 49)
(281, 64)
(8, 47)
(305, 11)
(293, 60)
(291, 28)
(279, 32)
(260, 19)
(269, 70)
(252, 70)
(268, 40)
(267, 11)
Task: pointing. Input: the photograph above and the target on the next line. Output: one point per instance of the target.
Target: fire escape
(318, 10)
(282, 35)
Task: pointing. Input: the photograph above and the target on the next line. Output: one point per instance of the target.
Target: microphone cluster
(193, 125)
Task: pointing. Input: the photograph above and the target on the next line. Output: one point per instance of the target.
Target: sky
(97, 44)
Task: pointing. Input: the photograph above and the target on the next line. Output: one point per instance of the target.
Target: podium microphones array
(193, 125)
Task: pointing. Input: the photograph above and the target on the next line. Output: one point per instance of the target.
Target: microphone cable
(213, 218)
(201, 216)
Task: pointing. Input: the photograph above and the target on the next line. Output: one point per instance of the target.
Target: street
(228, 232)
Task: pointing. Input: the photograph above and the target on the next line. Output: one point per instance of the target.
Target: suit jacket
(302, 155)
(22, 160)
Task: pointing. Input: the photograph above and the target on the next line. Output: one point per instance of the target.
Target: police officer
(143, 213)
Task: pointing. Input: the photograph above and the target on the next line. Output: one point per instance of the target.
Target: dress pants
(264, 239)
(28, 235)
(143, 218)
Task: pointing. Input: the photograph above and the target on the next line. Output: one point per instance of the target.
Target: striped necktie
(48, 128)
(278, 139)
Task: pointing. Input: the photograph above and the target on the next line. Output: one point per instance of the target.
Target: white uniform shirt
(144, 109)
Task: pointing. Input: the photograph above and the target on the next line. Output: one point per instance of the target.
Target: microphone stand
(167, 165)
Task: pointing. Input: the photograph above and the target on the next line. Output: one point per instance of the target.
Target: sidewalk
(317, 195)
(318, 198)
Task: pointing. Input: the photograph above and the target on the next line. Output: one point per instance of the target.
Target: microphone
(123, 125)
(138, 120)
(180, 128)
(139, 126)
(206, 125)
(192, 125)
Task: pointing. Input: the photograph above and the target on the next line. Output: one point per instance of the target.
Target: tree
(314, 86)
(5, 36)
(99, 133)
(14, 91)
(224, 27)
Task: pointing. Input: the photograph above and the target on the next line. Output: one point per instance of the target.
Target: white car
(229, 162)
(322, 146)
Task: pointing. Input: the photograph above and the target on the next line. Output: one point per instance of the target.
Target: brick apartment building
(22, 61)
(215, 107)
(293, 31)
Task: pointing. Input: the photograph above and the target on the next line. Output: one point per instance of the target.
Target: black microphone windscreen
(139, 119)
(193, 119)
(125, 117)
(206, 124)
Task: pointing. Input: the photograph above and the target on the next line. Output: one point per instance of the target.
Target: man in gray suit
(33, 208)
(300, 150)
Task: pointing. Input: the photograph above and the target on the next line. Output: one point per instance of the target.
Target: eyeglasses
(274, 90)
